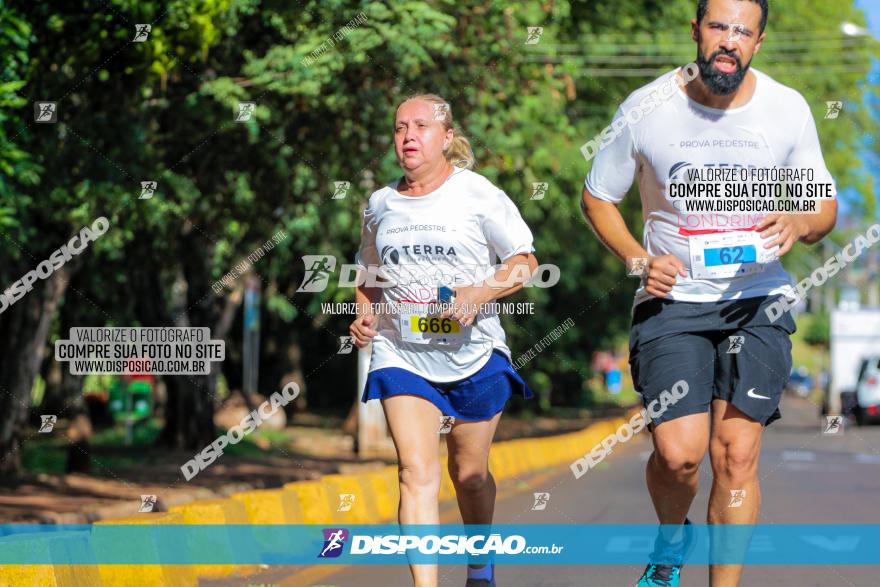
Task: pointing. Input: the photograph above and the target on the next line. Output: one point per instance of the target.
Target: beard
(719, 83)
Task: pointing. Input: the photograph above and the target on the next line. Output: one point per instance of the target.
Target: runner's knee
(677, 462)
(735, 462)
(419, 476)
(468, 477)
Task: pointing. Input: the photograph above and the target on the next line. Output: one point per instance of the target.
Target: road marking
(799, 455)
(867, 458)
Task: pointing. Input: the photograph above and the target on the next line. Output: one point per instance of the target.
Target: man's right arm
(608, 224)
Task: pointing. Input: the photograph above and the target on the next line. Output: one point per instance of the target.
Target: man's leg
(734, 448)
(749, 384)
(674, 371)
(673, 468)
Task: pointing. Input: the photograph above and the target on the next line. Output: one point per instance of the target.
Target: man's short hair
(703, 6)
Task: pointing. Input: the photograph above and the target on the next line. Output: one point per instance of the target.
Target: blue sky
(872, 11)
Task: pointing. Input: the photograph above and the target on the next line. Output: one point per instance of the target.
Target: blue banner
(777, 544)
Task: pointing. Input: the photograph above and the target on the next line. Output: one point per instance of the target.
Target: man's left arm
(807, 228)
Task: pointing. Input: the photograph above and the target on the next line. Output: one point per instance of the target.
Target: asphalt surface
(806, 477)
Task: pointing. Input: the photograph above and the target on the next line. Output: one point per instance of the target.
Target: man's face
(727, 39)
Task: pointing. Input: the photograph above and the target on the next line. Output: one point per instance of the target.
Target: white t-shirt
(453, 236)
(774, 129)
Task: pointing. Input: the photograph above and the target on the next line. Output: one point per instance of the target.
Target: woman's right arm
(363, 327)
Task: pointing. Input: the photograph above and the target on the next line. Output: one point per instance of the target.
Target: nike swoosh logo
(751, 393)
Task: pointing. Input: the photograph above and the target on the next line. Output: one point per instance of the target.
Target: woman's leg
(413, 422)
(468, 445)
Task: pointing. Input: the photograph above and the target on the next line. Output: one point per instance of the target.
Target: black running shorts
(728, 350)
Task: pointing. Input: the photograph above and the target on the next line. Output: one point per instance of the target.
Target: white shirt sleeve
(807, 153)
(614, 166)
(505, 230)
(367, 254)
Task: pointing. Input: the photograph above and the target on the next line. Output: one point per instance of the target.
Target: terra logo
(390, 256)
(334, 541)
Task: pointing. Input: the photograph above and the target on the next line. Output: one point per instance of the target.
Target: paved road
(806, 477)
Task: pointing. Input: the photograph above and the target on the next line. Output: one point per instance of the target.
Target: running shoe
(664, 570)
(482, 582)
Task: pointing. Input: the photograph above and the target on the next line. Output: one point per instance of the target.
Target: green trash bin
(130, 400)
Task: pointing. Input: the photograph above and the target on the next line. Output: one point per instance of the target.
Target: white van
(868, 391)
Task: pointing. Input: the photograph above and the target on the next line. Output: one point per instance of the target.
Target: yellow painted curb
(385, 494)
(350, 501)
(47, 544)
(500, 462)
(313, 501)
(220, 512)
(303, 502)
(447, 489)
(164, 575)
(270, 506)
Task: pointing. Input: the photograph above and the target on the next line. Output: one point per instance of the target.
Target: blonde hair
(459, 152)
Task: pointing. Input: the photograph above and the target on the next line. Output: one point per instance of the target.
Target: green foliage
(818, 332)
(164, 110)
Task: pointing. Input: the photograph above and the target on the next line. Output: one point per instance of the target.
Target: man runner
(699, 314)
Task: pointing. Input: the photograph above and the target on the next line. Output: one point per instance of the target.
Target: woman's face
(419, 139)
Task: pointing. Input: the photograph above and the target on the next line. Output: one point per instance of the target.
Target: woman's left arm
(507, 279)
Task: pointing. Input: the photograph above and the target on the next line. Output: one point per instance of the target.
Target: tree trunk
(25, 327)
(189, 421)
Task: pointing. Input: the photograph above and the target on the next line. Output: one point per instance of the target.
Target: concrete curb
(376, 496)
